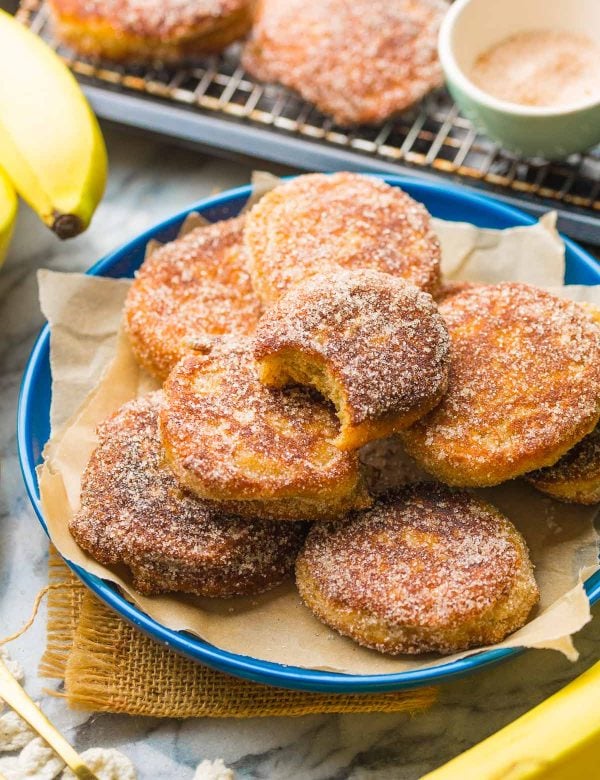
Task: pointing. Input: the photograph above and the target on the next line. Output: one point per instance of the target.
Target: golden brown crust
(576, 476)
(133, 512)
(194, 287)
(229, 438)
(425, 569)
(373, 344)
(524, 386)
(147, 31)
(360, 61)
(320, 222)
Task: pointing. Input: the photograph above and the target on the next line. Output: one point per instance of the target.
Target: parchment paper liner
(86, 344)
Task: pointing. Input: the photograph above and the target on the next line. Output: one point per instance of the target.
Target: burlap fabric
(107, 665)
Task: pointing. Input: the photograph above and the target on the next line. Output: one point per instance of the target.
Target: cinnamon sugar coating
(188, 289)
(261, 452)
(373, 344)
(360, 61)
(133, 512)
(576, 476)
(318, 222)
(524, 386)
(149, 31)
(425, 569)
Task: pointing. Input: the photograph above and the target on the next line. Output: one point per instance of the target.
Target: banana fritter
(258, 451)
(373, 344)
(133, 512)
(425, 569)
(192, 288)
(360, 61)
(317, 223)
(149, 31)
(524, 386)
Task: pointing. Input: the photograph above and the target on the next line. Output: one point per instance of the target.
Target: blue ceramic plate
(33, 429)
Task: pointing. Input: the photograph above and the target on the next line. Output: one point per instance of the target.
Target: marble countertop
(148, 181)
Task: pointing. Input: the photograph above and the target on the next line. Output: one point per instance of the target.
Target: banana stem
(67, 225)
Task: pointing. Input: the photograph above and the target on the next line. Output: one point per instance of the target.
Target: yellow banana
(557, 740)
(8, 213)
(51, 146)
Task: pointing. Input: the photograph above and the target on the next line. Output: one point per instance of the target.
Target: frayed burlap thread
(107, 665)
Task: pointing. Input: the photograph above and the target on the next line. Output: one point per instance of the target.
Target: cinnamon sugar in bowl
(526, 72)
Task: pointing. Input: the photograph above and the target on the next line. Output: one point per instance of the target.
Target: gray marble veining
(148, 181)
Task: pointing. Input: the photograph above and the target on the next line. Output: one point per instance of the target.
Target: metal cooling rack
(215, 103)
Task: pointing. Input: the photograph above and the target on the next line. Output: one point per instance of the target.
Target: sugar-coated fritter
(373, 344)
(150, 31)
(187, 290)
(524, 386)
(134, 512)
(359, 60)
(426, 569)
(257, 451)
(318, 223)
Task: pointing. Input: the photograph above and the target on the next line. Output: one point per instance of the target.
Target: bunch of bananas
(51, 149)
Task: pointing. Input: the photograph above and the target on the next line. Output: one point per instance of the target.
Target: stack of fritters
(289, 339)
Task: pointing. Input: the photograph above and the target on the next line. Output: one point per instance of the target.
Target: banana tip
(67, 225)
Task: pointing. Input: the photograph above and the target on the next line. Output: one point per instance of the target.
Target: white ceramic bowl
(472, 26)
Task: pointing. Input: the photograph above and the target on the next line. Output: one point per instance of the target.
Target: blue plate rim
(265, 672)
